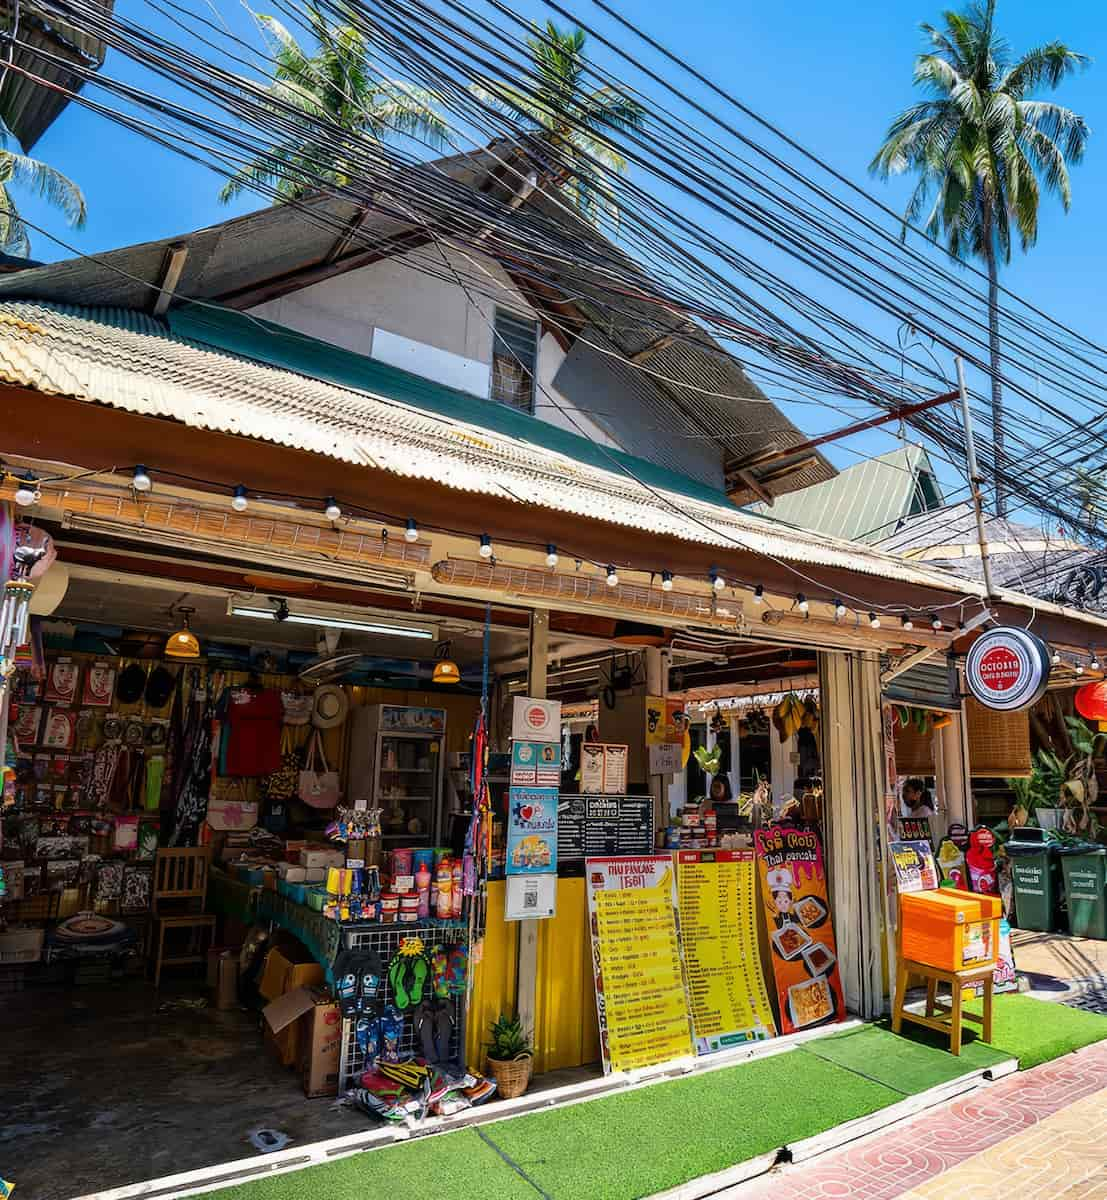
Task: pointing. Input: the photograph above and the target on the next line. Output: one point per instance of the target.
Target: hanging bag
(232, 810)
(284, 782)
(318, 788)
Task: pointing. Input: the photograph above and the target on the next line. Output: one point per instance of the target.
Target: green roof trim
(261, 340)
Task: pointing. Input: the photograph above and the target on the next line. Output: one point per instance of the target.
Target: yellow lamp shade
(446, 671)
(182, 644)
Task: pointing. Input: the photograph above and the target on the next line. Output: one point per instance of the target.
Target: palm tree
(983, 148)
(51, 185)
(571, 119)
(332, 86)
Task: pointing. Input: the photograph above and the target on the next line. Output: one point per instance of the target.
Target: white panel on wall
(441, 366)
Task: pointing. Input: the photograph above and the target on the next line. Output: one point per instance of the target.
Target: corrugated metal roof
(132, 361)
(863, 503)
(276, 243)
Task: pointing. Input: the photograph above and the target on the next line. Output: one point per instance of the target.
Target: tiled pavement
(911, 1161)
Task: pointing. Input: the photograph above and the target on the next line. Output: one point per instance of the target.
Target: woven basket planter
(512, 1075)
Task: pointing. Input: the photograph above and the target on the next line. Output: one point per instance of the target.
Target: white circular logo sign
(1007, 669)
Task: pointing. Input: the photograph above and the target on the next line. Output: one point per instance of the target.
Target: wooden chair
(949, 1020)
(177, 902)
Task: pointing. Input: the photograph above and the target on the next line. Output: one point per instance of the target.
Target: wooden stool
(950, 1020)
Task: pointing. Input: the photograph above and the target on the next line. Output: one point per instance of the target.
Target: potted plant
(510, 1057)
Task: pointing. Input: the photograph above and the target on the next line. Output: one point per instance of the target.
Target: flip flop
(423, 1024)
(443, 1033)
(457, 970)
(439, 969)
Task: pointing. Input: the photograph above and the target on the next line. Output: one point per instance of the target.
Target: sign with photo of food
(801, 934)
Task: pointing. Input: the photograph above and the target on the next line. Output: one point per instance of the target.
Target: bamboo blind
(999, 742)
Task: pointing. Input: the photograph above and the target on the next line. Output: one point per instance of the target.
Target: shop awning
(404, 425)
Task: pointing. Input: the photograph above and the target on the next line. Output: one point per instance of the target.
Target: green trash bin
(1085, 867)
(1036, 875)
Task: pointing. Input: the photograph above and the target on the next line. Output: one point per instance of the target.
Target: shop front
(330, 795)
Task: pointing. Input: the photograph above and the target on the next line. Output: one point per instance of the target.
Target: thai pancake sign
(801, 935)
(640, 999)
(722, 963)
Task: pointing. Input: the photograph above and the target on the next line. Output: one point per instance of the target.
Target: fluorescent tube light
(320, 621)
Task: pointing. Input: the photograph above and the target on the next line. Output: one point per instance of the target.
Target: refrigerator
(397, 759)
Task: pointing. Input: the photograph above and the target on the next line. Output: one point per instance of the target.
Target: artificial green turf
(1035, 1031)
(458, 1165)
(908, 1064)
(641, 1142)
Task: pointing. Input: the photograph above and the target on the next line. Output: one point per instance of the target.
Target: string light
(551, 555)
(411, 531)
(612, 576)
(1079, 669)
(759, 595)
(666, 581)
(935, 622)
(801, 602)
(141, 481)
(839, 609)
(333, 512)
(1095, 661)
(907, 622)
(1056, 659)
(27, 493)
(485, 546)
(239, 501)
(874, 621)
(717, 580)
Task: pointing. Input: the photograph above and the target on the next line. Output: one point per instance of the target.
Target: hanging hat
(331, 706)
(780, 880)
(132, 683)
(159, 687)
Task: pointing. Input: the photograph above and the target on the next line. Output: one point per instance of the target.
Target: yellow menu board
(718, 929)
(640, 999)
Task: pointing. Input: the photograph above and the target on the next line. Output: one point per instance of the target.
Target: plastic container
(949, 929)
(1037, 879)
(401, 863)
(423, 858)
(1085, 872)
(316, 898)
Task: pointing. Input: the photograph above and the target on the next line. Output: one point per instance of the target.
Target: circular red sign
(999, 669)
(537, 717)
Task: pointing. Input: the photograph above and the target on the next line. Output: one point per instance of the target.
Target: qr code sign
(530, 898)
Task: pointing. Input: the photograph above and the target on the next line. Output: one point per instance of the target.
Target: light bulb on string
(1056, 659)
(874, 621)
(239, 499)
(411, 530)
(839, 609)
(1095, 662)
(485, 546)
(935, 622)
(1079, 669)
(801, 602)
(759, 594)
(908, 624)
(612, 576)
(666, 581)
(717, 581)
(27, 493)
(551, 555)
(331, 509)
(140, 480)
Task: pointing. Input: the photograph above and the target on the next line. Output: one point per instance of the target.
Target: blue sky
(830, 75)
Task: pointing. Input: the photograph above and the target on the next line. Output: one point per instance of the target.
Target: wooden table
(949, 1020)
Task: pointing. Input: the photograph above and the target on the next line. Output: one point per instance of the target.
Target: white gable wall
(400, 296)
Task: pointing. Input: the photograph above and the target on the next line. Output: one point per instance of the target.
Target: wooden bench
(949, 1020)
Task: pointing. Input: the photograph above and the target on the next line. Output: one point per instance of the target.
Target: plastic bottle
(457, 891)
(445, 880)
(422, 886)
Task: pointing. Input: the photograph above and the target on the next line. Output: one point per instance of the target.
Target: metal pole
(975, 480)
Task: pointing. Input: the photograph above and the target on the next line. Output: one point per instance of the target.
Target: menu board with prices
(718, 927)
(602, 825)
(640, 999)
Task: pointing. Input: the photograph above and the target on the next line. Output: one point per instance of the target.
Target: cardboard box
(321, 1045)
(284, 1031)
(322, 856)
(287, 966)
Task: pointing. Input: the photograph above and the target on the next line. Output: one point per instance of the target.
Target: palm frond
(51, 185)
(1049, 66)
(1059, 124)
(13, 233)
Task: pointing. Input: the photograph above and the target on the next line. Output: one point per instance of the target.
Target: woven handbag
(318, 788)
(284, 782)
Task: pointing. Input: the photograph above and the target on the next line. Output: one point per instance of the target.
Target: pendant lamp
(445, 669)
(183, 643)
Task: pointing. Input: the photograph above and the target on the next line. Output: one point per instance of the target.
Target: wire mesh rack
(385, 940)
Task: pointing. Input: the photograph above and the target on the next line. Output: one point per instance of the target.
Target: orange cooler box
(949, 929)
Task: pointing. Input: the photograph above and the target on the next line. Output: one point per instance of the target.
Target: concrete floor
(98, 1089)
(1057, 966)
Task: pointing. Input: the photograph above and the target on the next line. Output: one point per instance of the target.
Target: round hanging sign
(1007, 669)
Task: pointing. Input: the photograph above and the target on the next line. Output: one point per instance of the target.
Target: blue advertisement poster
(531, 831)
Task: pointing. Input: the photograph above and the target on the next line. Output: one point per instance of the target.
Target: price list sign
(640, 998)
(726, 989)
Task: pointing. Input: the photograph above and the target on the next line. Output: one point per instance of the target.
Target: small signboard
(535, 764)
(1007, 668)
(914, 866)
(530, 897)
(536, 720)
(602, 825)
(531, 831)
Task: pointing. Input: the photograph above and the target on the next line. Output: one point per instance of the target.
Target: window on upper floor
(514, 360)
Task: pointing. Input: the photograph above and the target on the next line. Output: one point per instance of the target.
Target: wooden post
(527, 974)
(657, 684)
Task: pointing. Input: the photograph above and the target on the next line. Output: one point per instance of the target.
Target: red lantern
(1091, 702)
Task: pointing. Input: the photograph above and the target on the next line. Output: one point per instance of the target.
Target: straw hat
(331, 706)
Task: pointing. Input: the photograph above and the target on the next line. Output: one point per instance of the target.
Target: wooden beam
(175, 258)
(655, 347)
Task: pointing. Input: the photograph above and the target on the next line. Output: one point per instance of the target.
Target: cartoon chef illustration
(781, 887)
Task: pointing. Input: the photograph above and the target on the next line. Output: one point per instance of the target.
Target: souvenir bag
(232, 809)
(297, 707)
(284, 782)
(318, 788)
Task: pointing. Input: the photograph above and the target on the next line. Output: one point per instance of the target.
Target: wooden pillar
(657, 684)
(527, 974)
(853, 776)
